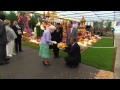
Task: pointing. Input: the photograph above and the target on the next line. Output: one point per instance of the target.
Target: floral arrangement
(61, 45)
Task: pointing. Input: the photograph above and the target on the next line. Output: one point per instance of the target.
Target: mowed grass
(101, 58)
(104, 42)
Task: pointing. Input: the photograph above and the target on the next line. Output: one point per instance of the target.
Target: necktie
(70, 31)
(57, 30)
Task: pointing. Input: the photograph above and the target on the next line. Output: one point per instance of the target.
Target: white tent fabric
(90, 16)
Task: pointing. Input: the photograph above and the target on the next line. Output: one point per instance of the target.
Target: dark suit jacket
(3, 37)
(15, 30)
(74, 52)
(74, 34)
(57, 35)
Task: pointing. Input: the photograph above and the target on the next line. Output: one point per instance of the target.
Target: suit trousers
(71, 62)
(10, 47)
(18, 46)
(55, 50)
(2, 53)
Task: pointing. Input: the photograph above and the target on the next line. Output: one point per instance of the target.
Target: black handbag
(50, 46)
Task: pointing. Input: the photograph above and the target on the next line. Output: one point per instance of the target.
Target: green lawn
(101, 58)
(104, 42)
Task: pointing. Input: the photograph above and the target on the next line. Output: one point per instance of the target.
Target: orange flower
(61, 45)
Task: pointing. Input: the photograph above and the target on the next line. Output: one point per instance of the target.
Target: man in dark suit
(18, 31)
(3, 41)
(71, 32)
(74, 56)
(57, 36)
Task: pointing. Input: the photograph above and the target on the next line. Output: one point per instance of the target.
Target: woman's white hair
(52, 27)
(6, 22)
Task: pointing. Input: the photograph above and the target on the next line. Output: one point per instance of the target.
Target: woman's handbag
(50, 46)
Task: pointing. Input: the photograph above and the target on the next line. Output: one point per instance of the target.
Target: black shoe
(66, 58)
(75, 66)
(16, 51)
(21, 50)
(5, 62)
(7, 59)
(58, 57)
(55, 57)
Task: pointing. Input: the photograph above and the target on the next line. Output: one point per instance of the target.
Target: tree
(33, 21)
(109, 25)
(1, 11)
(21, 23)
(11, 16)
(95, 25)
(101, 25)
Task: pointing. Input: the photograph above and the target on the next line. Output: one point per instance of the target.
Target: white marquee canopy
(90, 16)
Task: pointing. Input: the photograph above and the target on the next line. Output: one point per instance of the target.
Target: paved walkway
(28, 65)
(117, 61)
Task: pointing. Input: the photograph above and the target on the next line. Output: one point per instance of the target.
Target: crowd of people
(10, 42)
(10, 39)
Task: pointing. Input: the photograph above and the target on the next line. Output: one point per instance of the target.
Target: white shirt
(18, 26)
(1, 20)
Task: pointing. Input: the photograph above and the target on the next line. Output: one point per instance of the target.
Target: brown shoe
(47, 64)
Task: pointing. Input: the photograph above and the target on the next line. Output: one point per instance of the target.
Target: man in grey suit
(71, 32)
(3, 41)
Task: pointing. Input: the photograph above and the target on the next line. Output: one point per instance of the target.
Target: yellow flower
(38, 24)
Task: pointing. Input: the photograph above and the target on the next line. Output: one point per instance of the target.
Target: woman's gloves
(54, 42)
